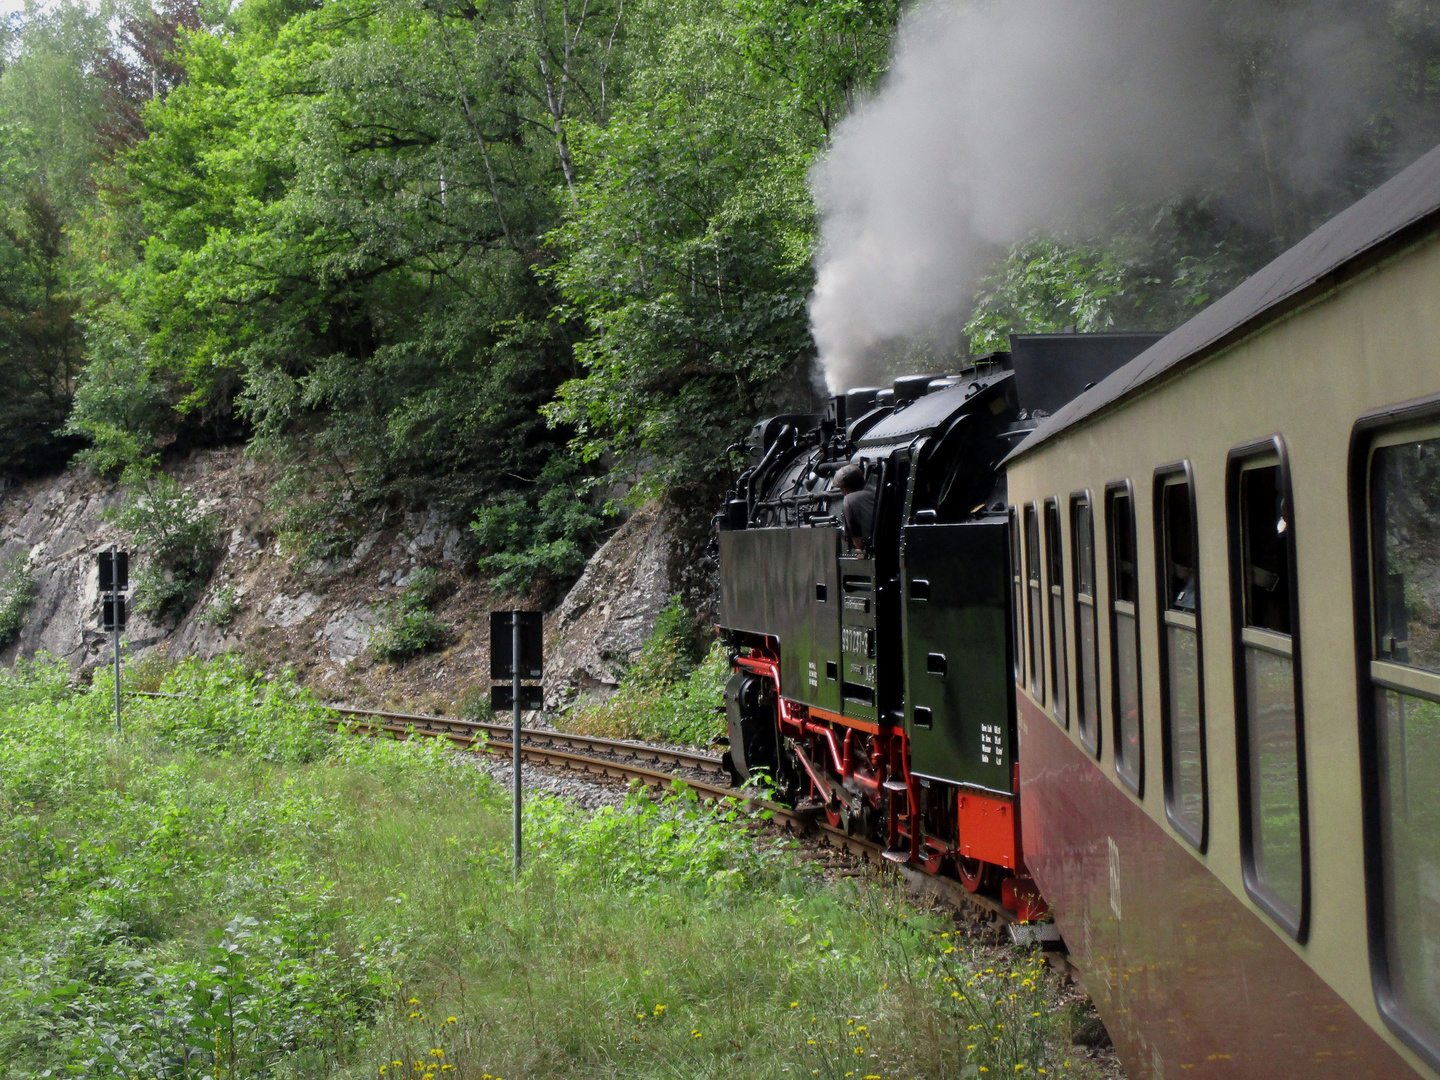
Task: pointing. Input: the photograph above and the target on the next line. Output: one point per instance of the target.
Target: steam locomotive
(873, 672)
(1163, 650)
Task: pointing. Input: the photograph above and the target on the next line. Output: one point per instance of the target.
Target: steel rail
(435, 725)
(662, 755)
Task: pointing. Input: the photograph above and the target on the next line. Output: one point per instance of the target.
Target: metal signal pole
(115, 634)
(515, 735)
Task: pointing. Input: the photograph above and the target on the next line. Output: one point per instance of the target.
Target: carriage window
(1405, 672)
(1017, 604)
(1182, 717)
(1124, 633)
(1032, 574)
(1272, 780)
(1055, 569)
(1087, 657)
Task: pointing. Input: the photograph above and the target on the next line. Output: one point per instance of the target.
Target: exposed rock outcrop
(317, 618)
(604, 620)
(278, 610)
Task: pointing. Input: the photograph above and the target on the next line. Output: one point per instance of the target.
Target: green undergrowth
(674, 692)
(232, 890)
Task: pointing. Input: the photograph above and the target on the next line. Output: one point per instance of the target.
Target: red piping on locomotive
(987, 827)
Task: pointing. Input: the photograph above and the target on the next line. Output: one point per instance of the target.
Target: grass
(232, 891)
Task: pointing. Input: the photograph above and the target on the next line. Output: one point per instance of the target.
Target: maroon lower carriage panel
(1189, 981)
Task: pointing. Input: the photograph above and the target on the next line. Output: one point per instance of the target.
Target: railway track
(655, 766)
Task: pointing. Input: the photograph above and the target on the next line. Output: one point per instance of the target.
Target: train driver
(858, 511)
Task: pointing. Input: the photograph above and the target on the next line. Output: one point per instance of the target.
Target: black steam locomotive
(874, 667)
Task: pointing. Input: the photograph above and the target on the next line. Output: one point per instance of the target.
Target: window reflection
(1184, 765)
(1124, 629)
(1405, 587)
(1275, 829)
(1082, 530)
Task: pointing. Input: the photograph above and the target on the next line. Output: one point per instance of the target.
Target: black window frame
(1033, 582)
(1114, 489)
(1179, 472)
(1094, 739)
(1298, 925)
(1054, 558)
(1369, 427)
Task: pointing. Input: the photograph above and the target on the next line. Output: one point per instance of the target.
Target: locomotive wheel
(833, 815)
(934, 862)
(975, 875)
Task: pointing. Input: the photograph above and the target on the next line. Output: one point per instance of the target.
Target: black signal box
(532, 645)
(114, 569)
(502, 698)
(113, 615)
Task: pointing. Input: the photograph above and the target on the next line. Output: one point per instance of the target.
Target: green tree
(687, 256)
(40, 341)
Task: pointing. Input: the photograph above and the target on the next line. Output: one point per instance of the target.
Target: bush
(688, 712)
(423, 589)
(222, 608)
(181, 542)
(535, 539)
(410, 627)
(673, 692)
(17, 593)
(672, 651)
(408, 632)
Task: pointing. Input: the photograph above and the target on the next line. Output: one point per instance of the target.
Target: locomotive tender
(1169, 654)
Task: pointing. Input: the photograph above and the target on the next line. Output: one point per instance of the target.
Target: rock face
(61, 528)
(317, 618)
(606, 617)
(262, 599)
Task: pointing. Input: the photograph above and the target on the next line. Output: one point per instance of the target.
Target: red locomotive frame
(976, 833)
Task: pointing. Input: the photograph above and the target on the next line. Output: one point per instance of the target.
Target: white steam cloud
(1000, 117)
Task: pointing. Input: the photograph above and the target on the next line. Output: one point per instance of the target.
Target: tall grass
(231, 891)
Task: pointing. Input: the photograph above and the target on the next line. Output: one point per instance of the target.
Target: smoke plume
(1002, 117)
